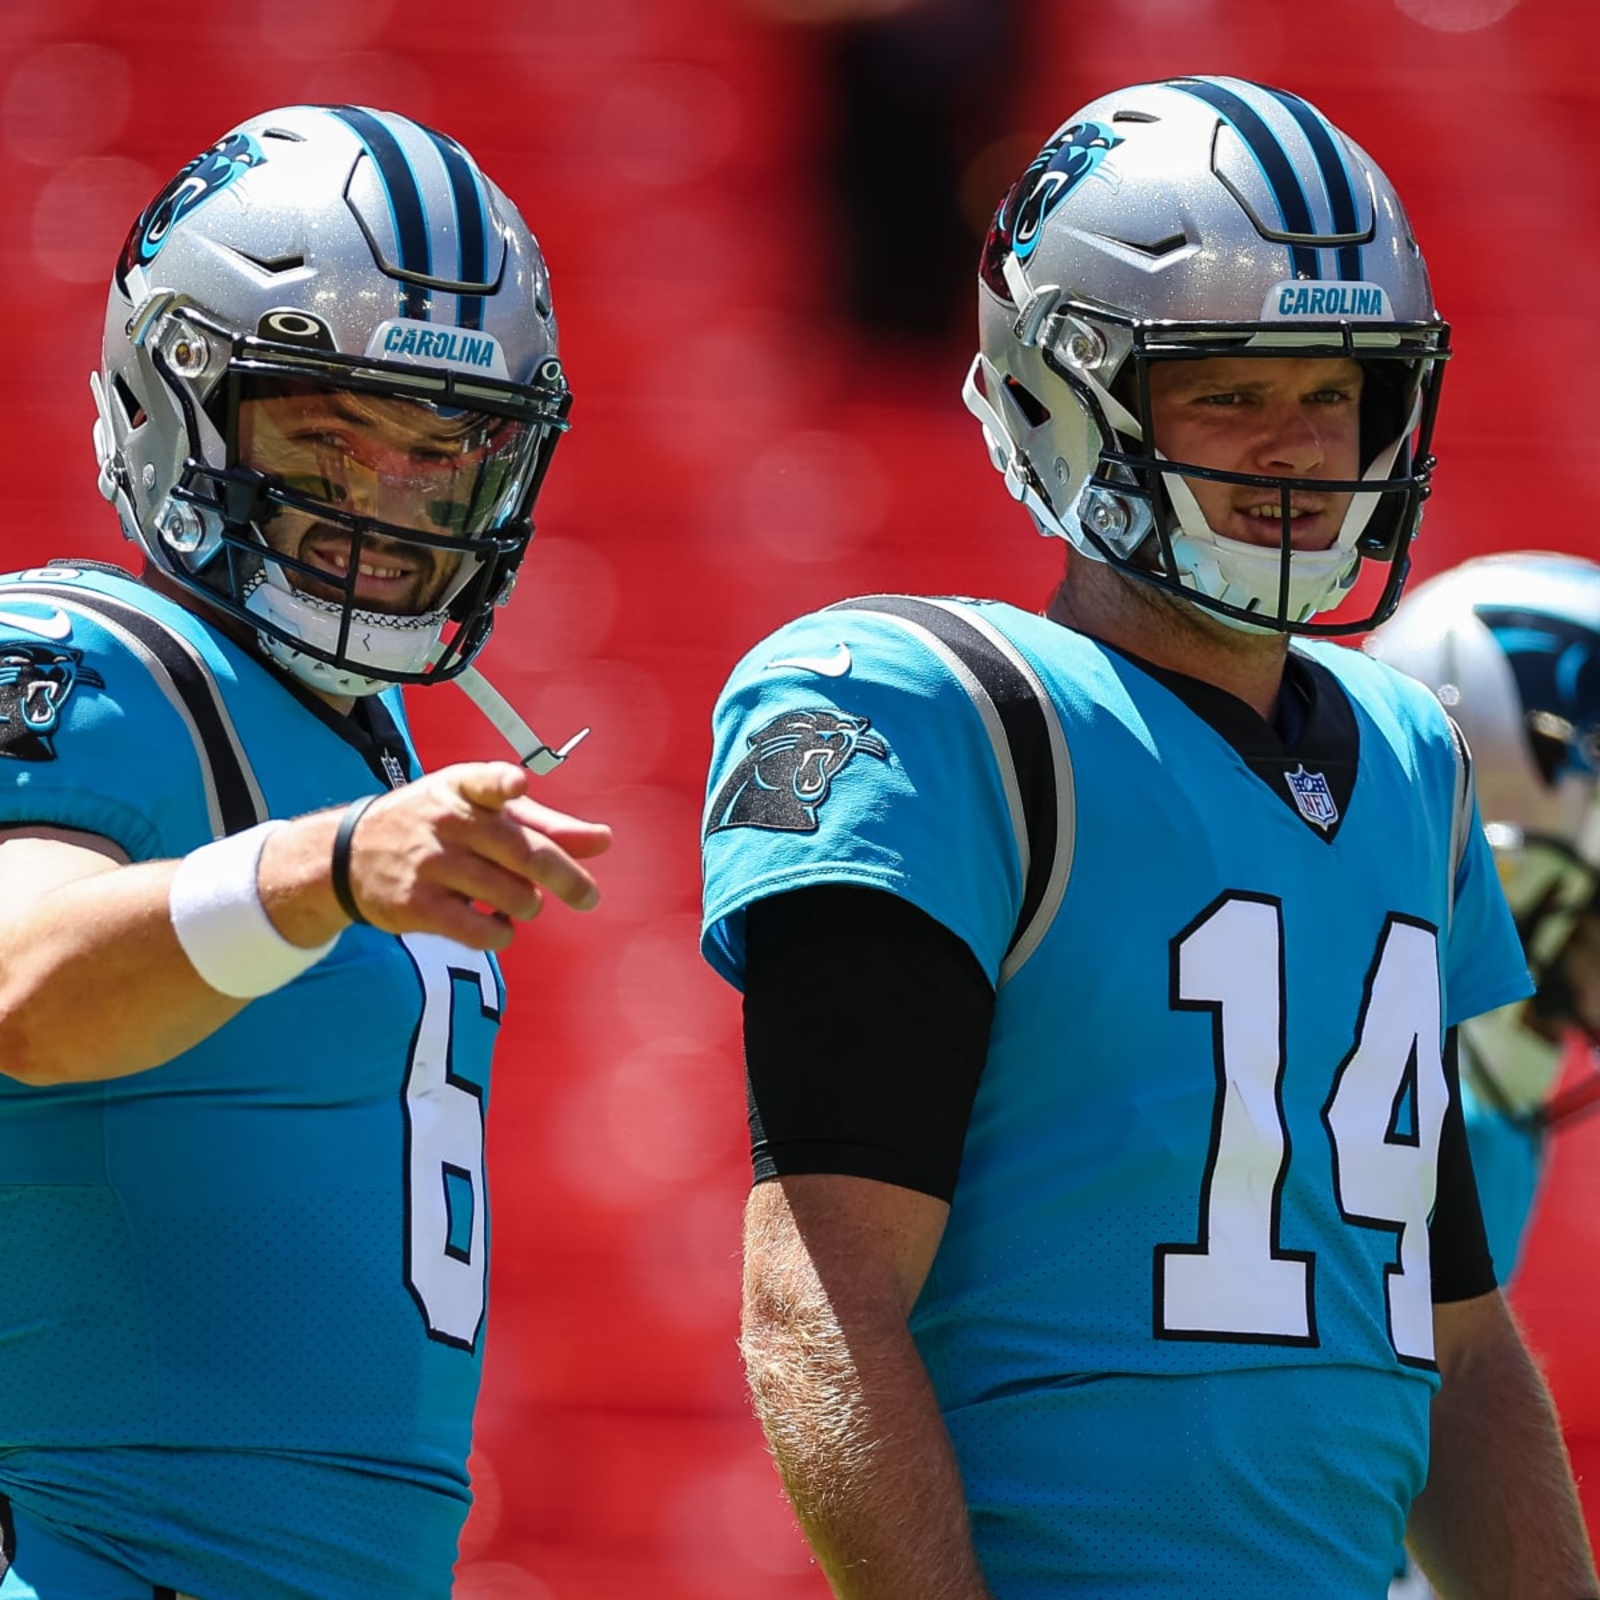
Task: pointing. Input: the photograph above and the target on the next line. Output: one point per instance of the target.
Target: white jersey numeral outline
(446, 1272)
(1383, 1118)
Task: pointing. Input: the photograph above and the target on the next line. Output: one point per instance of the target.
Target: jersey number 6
(445, 1201)
(1383, 1118)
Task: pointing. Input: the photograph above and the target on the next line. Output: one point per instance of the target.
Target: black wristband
(342, 841)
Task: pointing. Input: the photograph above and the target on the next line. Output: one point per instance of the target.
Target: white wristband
(216, 911)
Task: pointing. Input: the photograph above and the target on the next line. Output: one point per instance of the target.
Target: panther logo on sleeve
(35, 681)
(789, 771)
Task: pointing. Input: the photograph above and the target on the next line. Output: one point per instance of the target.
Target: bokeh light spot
(816, 496)
(668, 123)
(313, 30)
(1456, 16)
(66, 101)
(83, 214)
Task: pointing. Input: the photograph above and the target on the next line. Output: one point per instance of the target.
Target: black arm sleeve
(1458, 1244)
(866, 1026)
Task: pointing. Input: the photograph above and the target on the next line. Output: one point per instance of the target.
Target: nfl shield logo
(1312, 797)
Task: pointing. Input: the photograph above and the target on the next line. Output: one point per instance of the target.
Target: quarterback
(248, 985)
(1116, 1236)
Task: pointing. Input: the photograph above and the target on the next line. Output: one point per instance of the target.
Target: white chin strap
(532, 751)
(1250, 575)
(394, 647)
(1247, 576)
(401, 645)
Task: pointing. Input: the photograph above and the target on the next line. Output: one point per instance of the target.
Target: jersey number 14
(1383, 1118)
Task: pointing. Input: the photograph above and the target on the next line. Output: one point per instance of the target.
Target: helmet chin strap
(532, 751)
(1241, 574)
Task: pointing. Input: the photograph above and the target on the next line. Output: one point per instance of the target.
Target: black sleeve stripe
(1458, 1245)
(1030, 748)
(888, 1093)
(234, 800)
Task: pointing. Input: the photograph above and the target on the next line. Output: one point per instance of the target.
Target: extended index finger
(558, 872)
(576, 836)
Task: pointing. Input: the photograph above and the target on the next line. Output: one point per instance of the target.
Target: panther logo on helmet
(209, 173)
(1056, 171)
(790, 769)
(35, 681)
(1556, 663)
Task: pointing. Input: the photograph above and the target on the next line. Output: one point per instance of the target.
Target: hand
(465, 852)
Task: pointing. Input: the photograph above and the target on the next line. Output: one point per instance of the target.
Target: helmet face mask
(1151, 229)
(288, 398)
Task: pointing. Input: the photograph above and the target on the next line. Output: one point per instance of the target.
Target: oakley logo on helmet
(209, 173)
(286, 326)
(790, 769)
(1292, 299)
(402, 339)
(35, 681)
(1056, 171)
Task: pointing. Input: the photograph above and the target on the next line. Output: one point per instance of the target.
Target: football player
(1511, 645)
(1113, 1230)
(248, 986)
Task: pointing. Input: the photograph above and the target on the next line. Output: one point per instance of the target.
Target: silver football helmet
(1180, 220)
(1511, 645)
(330, 370)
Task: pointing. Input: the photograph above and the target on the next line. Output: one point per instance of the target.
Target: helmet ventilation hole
(1028, 403)
(132, 407)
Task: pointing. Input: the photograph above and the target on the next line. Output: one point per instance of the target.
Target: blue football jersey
(1180, 1321)
(244, 1293)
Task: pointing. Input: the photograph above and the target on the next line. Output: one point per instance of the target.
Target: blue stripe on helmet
(1273, 160)
(472, 222)
(405, 205)
(1335, 174)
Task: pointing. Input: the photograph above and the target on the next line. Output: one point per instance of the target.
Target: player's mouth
(1313, 521)
(385, 579)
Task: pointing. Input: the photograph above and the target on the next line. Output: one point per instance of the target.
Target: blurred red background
(743, 449)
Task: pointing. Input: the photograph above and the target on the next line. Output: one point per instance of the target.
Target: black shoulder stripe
(233, 796)
(1465, 796)
(400, 182)
(1030, 749)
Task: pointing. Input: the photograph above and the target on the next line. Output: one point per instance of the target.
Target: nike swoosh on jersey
(58, 625)
(834, 666)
